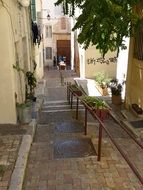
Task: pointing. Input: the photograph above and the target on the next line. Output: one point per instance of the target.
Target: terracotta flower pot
(104, 91)
(78, 93)
(102, 113)
(117, 100)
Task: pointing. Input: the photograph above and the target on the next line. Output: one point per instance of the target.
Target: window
(138, 47)
(48, 53)
(48, 31)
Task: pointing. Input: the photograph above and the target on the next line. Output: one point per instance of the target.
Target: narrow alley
(62, 157)
(71, 95)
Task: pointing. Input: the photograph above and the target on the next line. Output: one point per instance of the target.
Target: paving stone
(69, 127)
(73, 148)
(84, 173)
(10, 139)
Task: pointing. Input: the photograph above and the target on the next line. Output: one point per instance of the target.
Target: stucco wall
(55, 13)
(38, 56)
(38, 49)
(15, 39)
(7, 98)
(137, 83)
(57, 34)
(92, 69)
(134, 93)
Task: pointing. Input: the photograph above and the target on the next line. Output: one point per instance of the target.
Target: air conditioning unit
(24, 3)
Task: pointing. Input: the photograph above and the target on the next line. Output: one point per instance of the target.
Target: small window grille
(48, 53)
(48, 31)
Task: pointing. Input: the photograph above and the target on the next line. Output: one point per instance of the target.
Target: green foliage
(70, 5)
(101, 79)
(2, 169)
(116, 88)
(94, 103)
(16, 67)
(103, 23)
(31, 80)
(74, 87)
(23, 105)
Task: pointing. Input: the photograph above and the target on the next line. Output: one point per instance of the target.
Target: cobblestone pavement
(10, 139)
(47, 172)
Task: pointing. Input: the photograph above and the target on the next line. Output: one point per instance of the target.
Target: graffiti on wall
(101, 60)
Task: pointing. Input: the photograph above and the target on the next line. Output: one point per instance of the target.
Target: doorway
(64, 50)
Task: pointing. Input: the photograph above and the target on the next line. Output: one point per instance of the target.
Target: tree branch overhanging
(104, 23)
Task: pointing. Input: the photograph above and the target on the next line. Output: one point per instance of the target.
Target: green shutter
(33, 10)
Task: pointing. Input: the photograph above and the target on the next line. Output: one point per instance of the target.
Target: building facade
(134, 81)
(16, 51)
(56, 34)
(36, 8)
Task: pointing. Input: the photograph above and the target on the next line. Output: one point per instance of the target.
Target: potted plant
(24, 107)
(102, 82)
(137, 110)
(98, 106)
(30, 86)
(24, 112)
(76, 89)
(116, 91)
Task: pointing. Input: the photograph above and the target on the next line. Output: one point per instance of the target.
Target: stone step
(59, 107)
(59, 110)
(59, 102)
(54, 116)
(55, 106)
(47, 103)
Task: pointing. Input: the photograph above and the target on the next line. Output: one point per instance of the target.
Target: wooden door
(64, 50)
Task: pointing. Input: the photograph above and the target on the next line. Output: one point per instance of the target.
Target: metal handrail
(129, 133)
(102, 125)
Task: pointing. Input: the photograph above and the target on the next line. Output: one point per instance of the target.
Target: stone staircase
(54, 111)
(57, 124)
(59, 106)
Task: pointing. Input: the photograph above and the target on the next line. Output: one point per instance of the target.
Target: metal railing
(70, 95)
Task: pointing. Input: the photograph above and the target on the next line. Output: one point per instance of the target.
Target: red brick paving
(46, 173)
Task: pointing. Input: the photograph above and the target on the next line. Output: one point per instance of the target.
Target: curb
(17, 177)
(18, 174)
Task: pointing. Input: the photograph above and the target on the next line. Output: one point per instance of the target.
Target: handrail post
(69, 96)
(85, 122)
(77, 108)
(99, 142)
(68, 91)
(71, 99)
